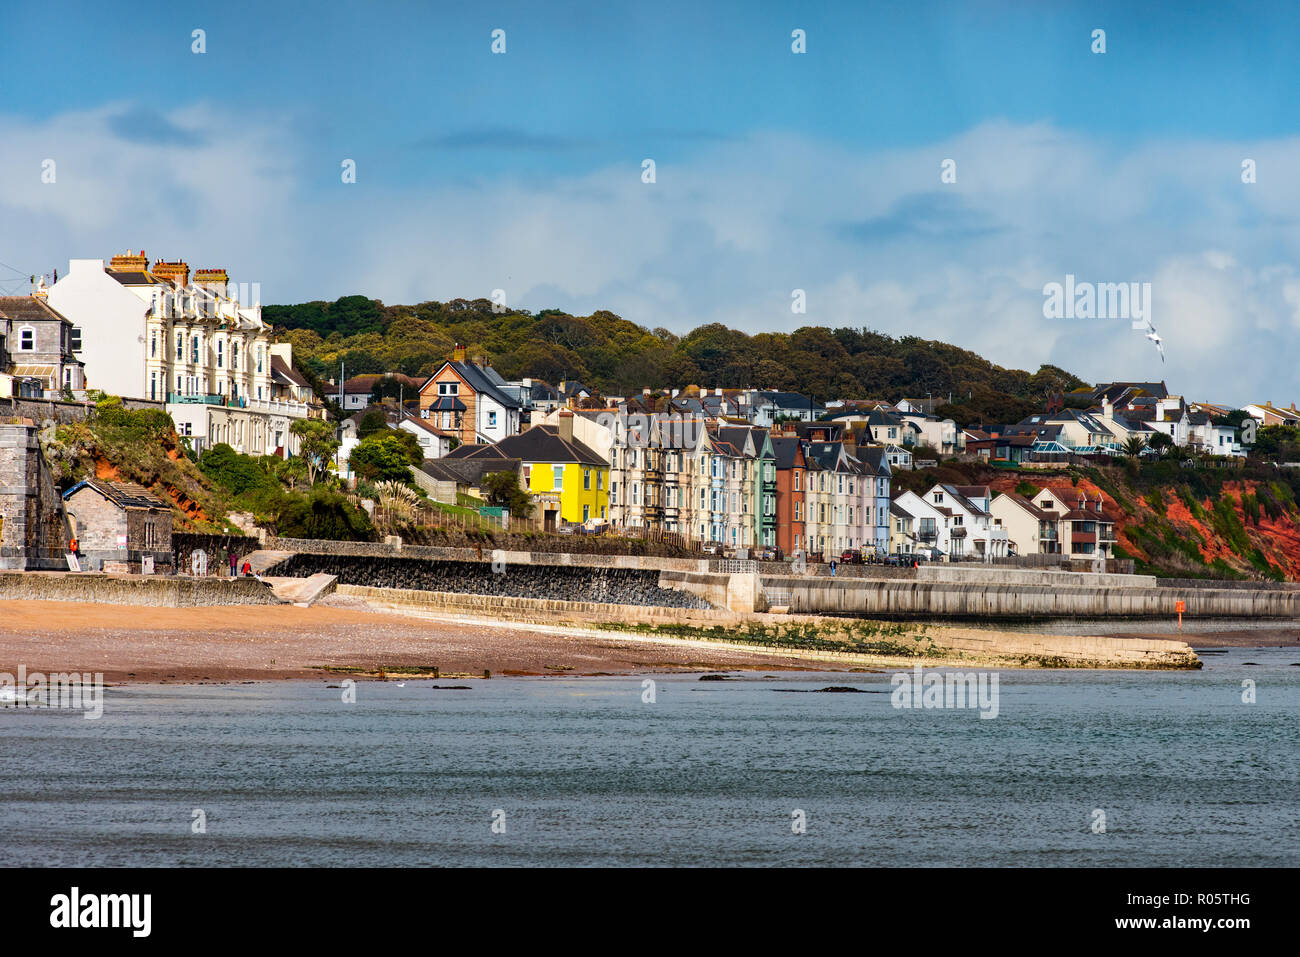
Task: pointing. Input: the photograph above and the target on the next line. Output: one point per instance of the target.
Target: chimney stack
(565, 427)
(458, 353)
(177, 273)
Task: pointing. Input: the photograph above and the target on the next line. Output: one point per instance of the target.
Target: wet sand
(241, 643)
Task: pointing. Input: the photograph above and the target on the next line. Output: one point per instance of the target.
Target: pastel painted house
(567, 479)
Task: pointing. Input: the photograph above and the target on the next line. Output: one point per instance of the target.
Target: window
(234, 355)
(586, 512)
(27, 340)
(557, 477)
(492, 419)
(221, 353)
(613, 493)
(938, 498)
(600, 480)
(153, 345)
(586, 479)
(636, 493)
(74, 338)
(448, 388)
(796, 480)
(180, 346)
(259, 358)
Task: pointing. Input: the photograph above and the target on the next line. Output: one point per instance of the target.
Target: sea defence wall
(585, 582)
(157, 591)
(958, 592)
(992, 598)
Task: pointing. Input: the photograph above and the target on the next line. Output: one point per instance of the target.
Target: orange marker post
(1180, 607)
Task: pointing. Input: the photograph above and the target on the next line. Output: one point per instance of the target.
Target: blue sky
(775, 171)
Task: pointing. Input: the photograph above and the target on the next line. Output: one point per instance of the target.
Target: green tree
(372, 422)
(502, 490)
(317, 445)
(238, 474)
(323, 514)
(384, 457)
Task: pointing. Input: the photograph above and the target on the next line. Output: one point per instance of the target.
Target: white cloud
(873, 237)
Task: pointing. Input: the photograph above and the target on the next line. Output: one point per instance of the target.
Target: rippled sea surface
(586, 773)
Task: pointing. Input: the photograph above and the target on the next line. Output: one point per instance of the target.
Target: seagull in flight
(1155, 337)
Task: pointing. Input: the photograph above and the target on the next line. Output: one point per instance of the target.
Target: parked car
(898, 559)
(851, 556)
(712, 548)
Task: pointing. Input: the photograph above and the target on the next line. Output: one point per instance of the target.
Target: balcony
(295, 410)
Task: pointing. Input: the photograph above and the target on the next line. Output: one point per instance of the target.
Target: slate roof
(29, 309)
(541, 443)
(479, 381)
(135, 278)
(792, 400)
(1030, 507)
(282, 369)
(785, 447)
(122, 494)
(467, 471)
(447, 403)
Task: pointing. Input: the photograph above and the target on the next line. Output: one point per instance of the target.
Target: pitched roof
(1030, 507)
(541, 443)
(791, 400)
(121, 494)
(475, 450)
(135, 278)
(960, 498)
(479, 381)
(786, 448)
(467, 471)
(29, 309)
(283, 370)
(423, 424)
(875, 459)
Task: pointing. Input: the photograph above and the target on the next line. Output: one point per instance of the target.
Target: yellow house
(566, 478)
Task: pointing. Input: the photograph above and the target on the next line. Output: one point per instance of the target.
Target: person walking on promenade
(233, 560)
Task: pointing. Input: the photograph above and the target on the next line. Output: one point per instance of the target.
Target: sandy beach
(240, 643)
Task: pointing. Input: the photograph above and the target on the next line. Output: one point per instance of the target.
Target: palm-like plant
(1133, 446)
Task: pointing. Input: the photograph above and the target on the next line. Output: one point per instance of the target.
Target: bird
(401, 684)
(1155, 337)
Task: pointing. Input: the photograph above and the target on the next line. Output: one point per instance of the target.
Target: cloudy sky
(774, 170)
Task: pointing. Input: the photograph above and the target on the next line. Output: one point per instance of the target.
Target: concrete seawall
(156, 591)
(971, 600)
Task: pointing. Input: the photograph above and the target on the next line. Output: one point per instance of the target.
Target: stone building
(118, 524)
(33, 532)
